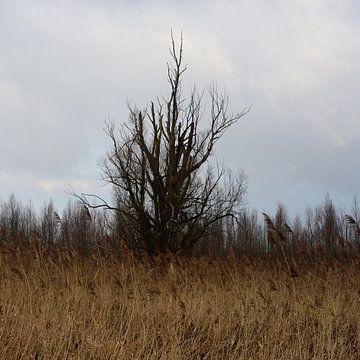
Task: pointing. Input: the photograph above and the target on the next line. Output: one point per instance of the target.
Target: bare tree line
(321, 231)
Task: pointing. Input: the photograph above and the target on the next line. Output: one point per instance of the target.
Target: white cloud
(81, 185)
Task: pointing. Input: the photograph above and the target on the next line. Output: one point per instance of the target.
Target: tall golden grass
(63, 305)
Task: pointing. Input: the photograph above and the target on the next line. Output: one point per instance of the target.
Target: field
(62, 305)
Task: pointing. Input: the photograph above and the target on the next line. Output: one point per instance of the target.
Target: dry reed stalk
(92, 308)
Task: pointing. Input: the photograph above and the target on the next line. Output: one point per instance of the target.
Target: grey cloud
(64, 66)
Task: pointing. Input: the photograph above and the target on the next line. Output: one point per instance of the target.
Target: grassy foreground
(60, 305)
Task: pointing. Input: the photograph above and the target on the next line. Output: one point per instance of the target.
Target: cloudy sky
(67, 65)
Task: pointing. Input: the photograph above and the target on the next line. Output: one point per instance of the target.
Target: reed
(62, 304)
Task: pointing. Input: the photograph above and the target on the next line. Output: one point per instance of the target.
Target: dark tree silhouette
(167, 196)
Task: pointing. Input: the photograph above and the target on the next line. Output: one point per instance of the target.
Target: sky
(66, 66)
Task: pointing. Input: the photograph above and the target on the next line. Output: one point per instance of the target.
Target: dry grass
(63, 306)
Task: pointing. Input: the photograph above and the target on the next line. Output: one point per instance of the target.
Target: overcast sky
(67, 65)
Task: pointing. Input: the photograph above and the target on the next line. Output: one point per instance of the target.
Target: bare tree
(329, 224)
(167, 195)
(250, 234)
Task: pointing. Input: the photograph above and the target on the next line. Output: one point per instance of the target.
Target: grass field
(61, 305)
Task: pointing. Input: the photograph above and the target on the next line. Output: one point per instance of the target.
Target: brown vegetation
(61, 304)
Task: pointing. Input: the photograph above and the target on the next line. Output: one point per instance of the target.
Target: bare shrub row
(322, 231)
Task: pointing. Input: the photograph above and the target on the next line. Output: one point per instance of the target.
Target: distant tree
(329, 223)
(167, 196)
(48, 223)
(250, 234)
(281, 222)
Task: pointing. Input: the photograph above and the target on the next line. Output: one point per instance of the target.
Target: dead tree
(167, 196)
